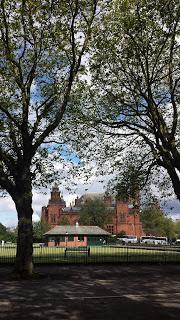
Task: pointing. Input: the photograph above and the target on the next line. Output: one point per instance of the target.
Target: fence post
(165, 255)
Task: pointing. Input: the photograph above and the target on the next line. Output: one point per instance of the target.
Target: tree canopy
(177, 228)
(134, 91)
(129, 181)
(7, 234)
(42, 47)
(63, 221)
(39, 228)
(129, 50)
(94, 213)
(156, 223)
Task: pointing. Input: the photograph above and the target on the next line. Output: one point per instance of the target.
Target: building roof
(92, 195)
(70, 209)
(76, 229)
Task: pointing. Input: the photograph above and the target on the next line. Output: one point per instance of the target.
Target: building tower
(52, 213)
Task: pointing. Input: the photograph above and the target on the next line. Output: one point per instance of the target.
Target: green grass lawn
(97, 255)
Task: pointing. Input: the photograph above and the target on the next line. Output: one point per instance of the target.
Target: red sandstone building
(125, 217)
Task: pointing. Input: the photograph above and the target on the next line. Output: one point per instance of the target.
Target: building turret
(56, 195)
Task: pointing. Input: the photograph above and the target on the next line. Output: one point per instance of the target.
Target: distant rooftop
(92, 195)
(71, 209)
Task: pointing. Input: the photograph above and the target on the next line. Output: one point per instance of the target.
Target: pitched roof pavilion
(76, 229)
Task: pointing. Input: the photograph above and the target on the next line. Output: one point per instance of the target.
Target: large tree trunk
(24, 259)
(175, 178)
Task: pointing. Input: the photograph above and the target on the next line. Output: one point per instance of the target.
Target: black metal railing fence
(96, 254)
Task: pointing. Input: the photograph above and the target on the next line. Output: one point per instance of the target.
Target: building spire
(55, 187)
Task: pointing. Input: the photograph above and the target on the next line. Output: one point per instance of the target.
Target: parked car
(177, 242)
(127, 239)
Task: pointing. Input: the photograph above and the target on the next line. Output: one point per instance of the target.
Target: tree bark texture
(24, 254)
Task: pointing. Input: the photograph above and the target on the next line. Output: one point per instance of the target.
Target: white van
(127, 239)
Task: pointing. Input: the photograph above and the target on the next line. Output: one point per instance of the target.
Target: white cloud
(8, 215)
(35, 217)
